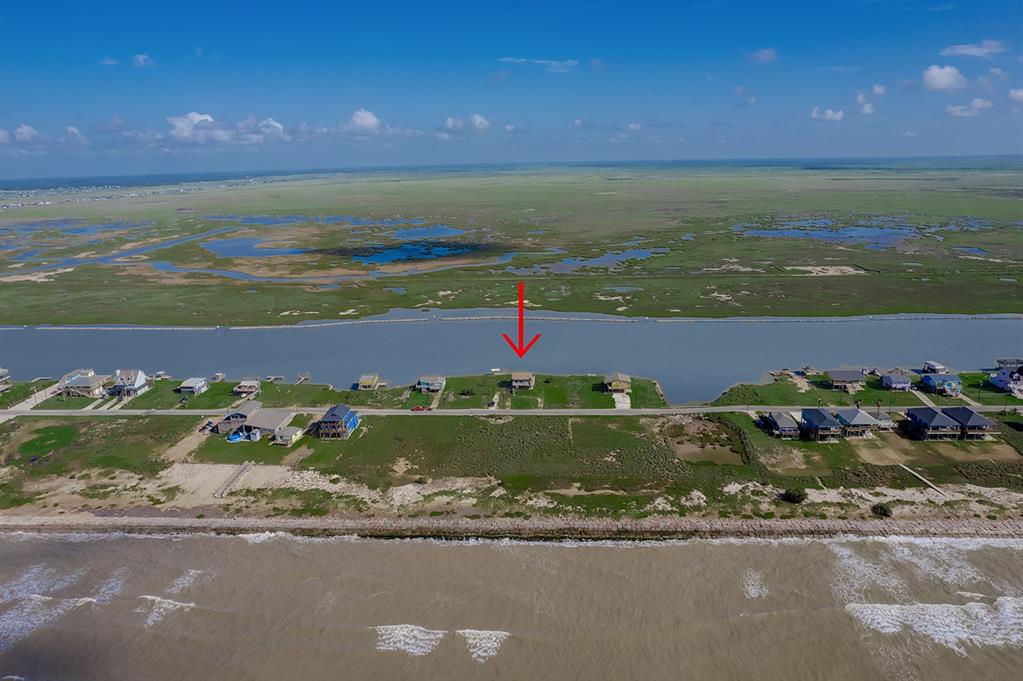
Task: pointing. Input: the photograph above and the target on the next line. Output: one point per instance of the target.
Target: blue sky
(112, 88)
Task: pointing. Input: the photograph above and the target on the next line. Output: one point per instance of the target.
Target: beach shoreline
(544, 529)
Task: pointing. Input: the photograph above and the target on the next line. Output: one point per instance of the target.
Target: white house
(129, 383)
(1009, 379)
(193, 386)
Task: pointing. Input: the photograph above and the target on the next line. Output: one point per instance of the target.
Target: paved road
(659, 411)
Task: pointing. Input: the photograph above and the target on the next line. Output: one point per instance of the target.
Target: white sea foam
(36, 579)
(159, 607)
(942, 563)
(187, 580)
(954, 626)
(408, 638)
(855, 576)
(483, 644)
(753, 584)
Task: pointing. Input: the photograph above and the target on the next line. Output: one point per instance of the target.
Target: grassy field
(62, 402)
(57, 446)
(313, 394)
(784, 391)
(698, 265)
(20, 392)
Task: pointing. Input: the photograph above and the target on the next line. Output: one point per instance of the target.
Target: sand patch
(37, 277)
(825, 270)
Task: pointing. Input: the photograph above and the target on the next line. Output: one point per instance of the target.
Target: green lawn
(475, 392)
(160, 395)
(560, 392)
(978, 387)
(216, 449)
(218, 396)
(20, 392)
(56, 446)
(645, 394)
(318, 395)
(61, 402)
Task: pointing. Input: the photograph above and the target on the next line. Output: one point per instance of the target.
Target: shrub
(794, 495)
(881, 510)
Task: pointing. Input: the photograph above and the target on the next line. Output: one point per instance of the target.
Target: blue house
(338, 423)
(896, 381)
(820, 425)
(943, 384)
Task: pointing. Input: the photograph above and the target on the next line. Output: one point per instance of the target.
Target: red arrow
(521, 349)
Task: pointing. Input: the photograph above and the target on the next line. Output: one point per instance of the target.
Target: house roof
(967, 417)
(130, 376)
(941, 378)
(87, 381)
(896, 377)
(522, 375)
(192, 382)
(339, 412)
(855, 417)
(269, 419)
(617, 376)
(431, 378)
(246, 408)
(847, 375)
(783, 419)
(249, 382)
(368, 377)
(77, 372)
(818, 418)
(930, 417)
(289, 432)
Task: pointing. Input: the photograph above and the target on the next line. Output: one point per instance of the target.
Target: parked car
(419, 408)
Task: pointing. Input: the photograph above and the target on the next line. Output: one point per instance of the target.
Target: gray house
(856, 422)
(820, 425)
(781, 425)
(896, 381)
(849, 380)
(928, 423)
(974, 426)
(237, 417)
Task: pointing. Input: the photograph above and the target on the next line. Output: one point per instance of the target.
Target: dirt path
(181, 450)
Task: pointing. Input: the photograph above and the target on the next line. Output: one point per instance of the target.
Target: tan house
(84, 383)
(246, 388)
(523, 380)
(369, 382)
(618, 383)
(288, 435)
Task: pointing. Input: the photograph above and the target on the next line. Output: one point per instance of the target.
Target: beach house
(896, 381)
(430, 384)
(928, 423)
(338, 423)
(849, 380)
(246, 388)
(130, 383)
(820, 425)
(237, 416)
(943, 384)
(265, 423)
(932, 367)
(617, 382)
(193, 386)
(781, 425)
(288, 435)
(1010, 379)
(973, 426)
(84, 383)
(856, 422)
(522, 380)
(369, 382)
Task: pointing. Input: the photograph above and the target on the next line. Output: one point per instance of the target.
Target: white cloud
(549, 65)
(827, 114)
(997, 72)
(1016, 94)
(109, 61)
(197, 128)
(267, 130)
(976, 106)
(865, 106)
(365, 124)
(74, 136)
(5, 136)
(943, 78)
(479, 122)
(765, 55)
(141, 60)
(986, 49)
(509, 127)
(879, 89)
(25, 133)
(443, 136)
(452, 123)
(635, 126)
(578, 122)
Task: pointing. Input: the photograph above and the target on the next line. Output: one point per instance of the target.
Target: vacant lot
(57, 446)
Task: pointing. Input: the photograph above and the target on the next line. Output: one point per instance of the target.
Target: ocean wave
(160, 607)
(408, 638)
(753, 585)
(953, 626)
(187, 580)
(855, 575)
(37, 579)
(483, 644)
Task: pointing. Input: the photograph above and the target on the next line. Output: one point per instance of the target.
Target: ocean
(273, 606)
